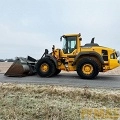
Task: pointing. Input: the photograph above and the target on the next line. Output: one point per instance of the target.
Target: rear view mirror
(118, 53)
(61, 38)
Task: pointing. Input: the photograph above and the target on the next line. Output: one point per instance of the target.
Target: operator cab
(69, 44)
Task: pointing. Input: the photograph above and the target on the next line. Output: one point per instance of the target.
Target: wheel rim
(44, 67)
(87, 69)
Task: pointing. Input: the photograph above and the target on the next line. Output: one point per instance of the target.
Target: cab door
(69, 44)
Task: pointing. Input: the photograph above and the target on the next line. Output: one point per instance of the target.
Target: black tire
(51, 67)
(94, 70)
(57, 72)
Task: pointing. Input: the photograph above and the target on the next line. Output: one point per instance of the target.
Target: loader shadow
(99, 77)
(107, 77)
(71, 76)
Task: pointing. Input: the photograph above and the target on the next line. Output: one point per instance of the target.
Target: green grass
(45, 102)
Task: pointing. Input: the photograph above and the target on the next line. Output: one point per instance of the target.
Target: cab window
(69, 44)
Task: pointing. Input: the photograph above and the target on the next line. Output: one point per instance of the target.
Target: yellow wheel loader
(87, 60)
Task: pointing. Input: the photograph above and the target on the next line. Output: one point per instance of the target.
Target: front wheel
(57, 72)
(45, 67)
(87, 68)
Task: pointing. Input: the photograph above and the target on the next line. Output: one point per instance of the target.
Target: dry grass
(4, 66)
(115, 71)
(39, 102)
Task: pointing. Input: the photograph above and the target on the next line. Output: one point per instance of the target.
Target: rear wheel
(45, 67)
(87, 68)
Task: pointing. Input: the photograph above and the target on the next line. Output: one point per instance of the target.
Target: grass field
(45, 102)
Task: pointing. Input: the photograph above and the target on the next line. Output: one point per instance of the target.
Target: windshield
(69, 44)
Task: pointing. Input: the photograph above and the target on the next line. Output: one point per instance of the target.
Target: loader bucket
(21, 67)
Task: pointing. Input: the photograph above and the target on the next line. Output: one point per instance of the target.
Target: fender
(52, 58)
(90, 53)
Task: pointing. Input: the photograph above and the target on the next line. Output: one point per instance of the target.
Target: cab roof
(79, 34)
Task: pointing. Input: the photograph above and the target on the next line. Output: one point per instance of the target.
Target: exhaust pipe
(22, 67)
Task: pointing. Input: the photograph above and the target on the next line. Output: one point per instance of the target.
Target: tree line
(7, 60)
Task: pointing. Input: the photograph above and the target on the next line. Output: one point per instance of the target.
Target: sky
(27, 27)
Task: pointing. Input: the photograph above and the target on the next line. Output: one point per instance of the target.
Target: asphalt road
(67, 79)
